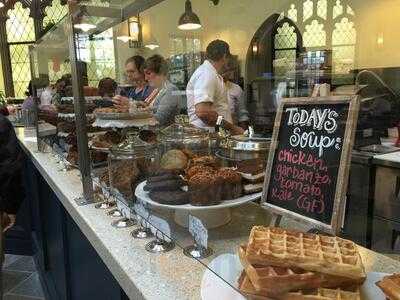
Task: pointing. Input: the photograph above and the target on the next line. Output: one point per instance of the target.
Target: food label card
(198, 231)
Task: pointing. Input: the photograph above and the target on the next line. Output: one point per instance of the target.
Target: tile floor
(20, 279)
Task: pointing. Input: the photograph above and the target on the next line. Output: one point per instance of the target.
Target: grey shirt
(166, 104)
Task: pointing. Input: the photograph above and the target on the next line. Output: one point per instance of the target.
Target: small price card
(198, 231)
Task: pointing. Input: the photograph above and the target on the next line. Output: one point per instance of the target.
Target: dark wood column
(5, 57)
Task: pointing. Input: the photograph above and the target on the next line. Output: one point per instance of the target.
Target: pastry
(204, 189)
(199, 169)
(106, 140)
(67, 127)
(352, 293)
(148, 136)
(231, 183)
(390, 285)
(163, 177)
(108, 110)
(273, 281)
(166, 185)
(178, 197)
(174, 160)
(270, 246)
(207, 160)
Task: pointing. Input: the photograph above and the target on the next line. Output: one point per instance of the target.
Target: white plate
(229, 268)
(144, 196)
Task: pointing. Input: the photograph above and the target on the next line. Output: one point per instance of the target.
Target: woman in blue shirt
(134, 69)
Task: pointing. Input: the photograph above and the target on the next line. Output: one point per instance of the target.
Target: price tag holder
(198, 231)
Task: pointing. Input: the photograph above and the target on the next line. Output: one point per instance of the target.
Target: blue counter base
(68, 265)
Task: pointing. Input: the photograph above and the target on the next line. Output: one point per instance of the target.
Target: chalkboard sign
(309, 160)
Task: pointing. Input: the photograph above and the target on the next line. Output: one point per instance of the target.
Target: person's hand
(141, 104)
(121, 103)
(236, 130)
(8, 221)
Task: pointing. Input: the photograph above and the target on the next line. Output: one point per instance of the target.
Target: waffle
(269, 246)
(278, 280)
(247, 288)
(390, 285)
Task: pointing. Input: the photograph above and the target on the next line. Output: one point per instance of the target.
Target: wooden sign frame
(345, 159)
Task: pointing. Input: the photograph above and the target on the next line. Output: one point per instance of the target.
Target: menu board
(310, 158)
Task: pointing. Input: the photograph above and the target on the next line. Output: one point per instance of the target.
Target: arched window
(326, 25)
(20, 34)
(98, 53)
(54, 13)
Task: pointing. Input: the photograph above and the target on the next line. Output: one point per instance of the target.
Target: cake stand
(211, 216)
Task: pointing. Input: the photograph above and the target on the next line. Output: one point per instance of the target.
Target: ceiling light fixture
(189, 20)
(1, 4)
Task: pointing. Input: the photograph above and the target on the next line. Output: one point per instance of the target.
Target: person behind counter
(236, 99)
(107, 87)
(207, 100)
(134, 69)
(165, 100)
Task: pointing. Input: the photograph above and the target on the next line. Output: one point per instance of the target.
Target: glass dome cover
(133, 147)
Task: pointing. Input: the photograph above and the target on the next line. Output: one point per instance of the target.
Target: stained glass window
(285, 37)
(292, 13)
(308, 10)
(20, 27)
(337, 9)
(315, 14)
(322, 9)
(315, 35)
(98, 53)
(20, 68)
(54, 13)
(20, 32)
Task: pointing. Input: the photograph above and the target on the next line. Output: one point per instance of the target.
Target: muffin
(204, 189)
(197, 169)
(207, 160)
(174, 160)
(231, 187)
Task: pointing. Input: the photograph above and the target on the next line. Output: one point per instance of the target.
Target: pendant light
(152, 43)
(189, 20)
(1, 4)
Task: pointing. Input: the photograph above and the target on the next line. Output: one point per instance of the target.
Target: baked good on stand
(390, 285)
(231, 183)
(174, 160)
(288, 264)
(190, 172)
(204, 189)
(177, 197)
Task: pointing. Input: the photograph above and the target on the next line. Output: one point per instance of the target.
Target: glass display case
(172, 177)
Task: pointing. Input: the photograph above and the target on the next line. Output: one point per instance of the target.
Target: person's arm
(121, 103)
(167, 107)
(205, 111)
(204, 94)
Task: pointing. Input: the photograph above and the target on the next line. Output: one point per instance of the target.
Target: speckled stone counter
(143, 275)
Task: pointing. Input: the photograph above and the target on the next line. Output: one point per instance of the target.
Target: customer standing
(207, 99)
(11, 189)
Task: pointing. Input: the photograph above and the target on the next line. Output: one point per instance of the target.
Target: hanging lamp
(189, 20)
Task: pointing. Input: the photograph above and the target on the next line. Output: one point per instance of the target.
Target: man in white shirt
(207, 99)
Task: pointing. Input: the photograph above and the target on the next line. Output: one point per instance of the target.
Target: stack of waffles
(390, 285)
(284, 264)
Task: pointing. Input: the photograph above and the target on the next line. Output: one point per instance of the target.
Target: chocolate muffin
(207, 160)
(204, 189)
(197, 169)
(231, 183)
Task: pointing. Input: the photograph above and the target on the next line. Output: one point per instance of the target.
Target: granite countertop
(166, 276)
